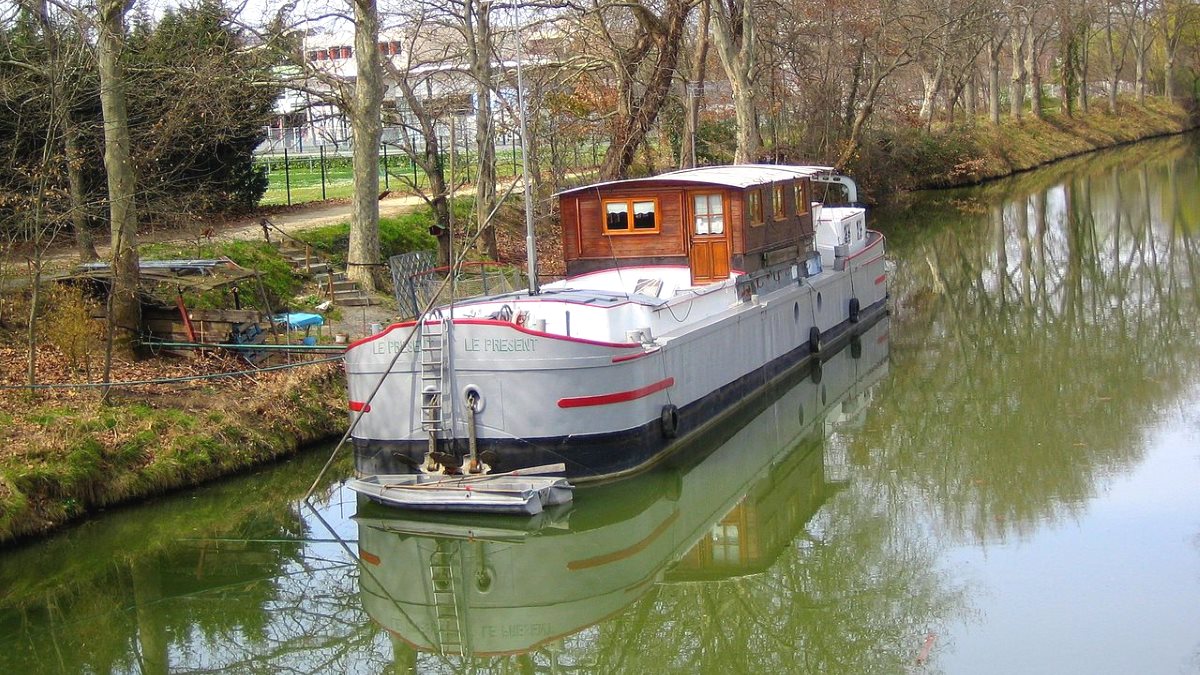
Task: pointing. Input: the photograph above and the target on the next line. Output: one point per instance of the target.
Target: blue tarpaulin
(300, 320)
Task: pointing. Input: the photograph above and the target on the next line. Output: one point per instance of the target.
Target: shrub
(68, 324)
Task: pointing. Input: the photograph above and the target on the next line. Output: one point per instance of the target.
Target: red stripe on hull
(616, 397)
(630, 357)
(359, 406)
(880, 279)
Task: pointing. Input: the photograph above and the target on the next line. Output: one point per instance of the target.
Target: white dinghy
(520, 492)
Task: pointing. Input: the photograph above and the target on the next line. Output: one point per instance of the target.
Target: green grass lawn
(303, 176)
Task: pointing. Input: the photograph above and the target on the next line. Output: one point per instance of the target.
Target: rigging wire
(391, 364)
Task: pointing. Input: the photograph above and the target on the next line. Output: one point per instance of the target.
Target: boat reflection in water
(727, 506)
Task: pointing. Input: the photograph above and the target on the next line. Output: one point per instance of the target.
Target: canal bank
(902, 159)
(65, 455)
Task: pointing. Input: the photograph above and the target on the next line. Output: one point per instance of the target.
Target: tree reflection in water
(1041, 323)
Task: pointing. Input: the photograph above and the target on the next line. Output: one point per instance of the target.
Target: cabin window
(755, 205)
(802, 205)
(710, 214)
(629, 216)
(777, 209)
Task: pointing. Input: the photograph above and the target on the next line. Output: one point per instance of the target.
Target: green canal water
(1001, 477)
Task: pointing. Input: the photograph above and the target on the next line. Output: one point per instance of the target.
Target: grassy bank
(64, 454)
(911, 158)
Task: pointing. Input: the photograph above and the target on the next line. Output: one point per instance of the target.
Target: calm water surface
(1002, 477)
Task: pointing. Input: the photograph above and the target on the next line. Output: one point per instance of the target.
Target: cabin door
(710, 237)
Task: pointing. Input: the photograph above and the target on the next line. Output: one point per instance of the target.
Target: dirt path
(302, 218)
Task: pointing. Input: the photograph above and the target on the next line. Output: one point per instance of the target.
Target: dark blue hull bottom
(600, 456)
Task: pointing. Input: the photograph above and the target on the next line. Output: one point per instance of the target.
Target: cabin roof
(733, 175)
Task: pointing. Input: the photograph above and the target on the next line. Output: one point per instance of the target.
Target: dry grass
(63, 453)
(1029, 143)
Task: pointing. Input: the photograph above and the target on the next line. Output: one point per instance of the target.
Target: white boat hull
(602, 404)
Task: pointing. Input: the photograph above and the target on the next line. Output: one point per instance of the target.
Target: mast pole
(530, 240)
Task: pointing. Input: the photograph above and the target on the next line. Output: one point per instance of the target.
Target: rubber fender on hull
(670, 421)
(854, 310)
(814, 340)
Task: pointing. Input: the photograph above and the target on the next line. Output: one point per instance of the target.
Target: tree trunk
(733, 38)
(1139, 65)
(856, 77)
(969, 102)
(478, 21)
(994, 82)
(931, 84)
(1034, 69)
(440, 203)
(1083, 73)
(363, 256)
(691, 117)
(1169, 76)
(1114, 67)
(860, 122)
(125, 314)
(81, 217)
(1068, 71)
(1019, 35)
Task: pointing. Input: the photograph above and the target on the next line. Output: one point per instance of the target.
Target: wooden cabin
(716, 220)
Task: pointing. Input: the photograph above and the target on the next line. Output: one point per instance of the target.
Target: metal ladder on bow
(433, 377)
(445, 602)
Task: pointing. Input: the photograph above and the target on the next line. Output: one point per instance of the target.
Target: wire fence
(417, 281)
(322, 168)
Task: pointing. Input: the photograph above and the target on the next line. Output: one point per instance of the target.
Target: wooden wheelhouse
(715, 220)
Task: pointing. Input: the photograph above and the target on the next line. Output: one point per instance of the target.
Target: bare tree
(888, 41)
(124, 314)
(414, 74)
(643, 61)
(363, 256)
(477, 36)
(1039, 29)
(1116, 45)
(1018, 32)
(1175, 18)
(996, 28)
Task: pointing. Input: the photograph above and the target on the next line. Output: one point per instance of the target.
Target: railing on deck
(417, 281)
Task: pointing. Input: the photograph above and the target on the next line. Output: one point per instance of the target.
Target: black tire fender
(670, 421)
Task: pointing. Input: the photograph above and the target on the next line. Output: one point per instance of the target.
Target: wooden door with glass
(709, 250)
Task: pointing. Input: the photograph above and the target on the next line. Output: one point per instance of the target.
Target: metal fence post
(322, 172)
(385, 166)
(287, 176)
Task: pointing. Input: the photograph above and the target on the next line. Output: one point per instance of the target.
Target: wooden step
(352, 298)
(314, 269)
(323, 278)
